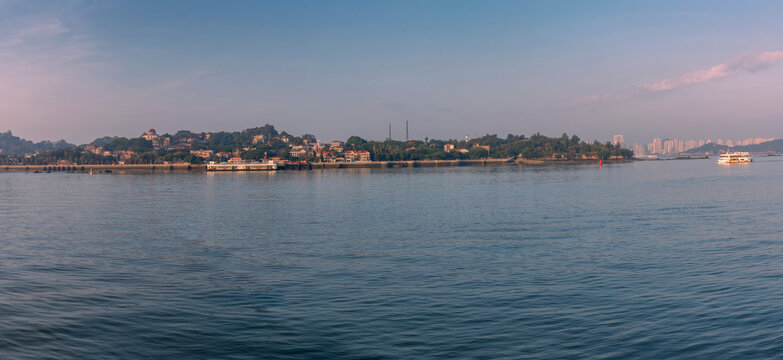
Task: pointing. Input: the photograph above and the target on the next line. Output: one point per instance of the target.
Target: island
(265, 145)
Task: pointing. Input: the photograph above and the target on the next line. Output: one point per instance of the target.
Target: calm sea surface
(653, 260)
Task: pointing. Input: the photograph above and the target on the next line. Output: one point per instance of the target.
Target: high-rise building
(668, 146)
(618, 140)
(657, 146)
(638, 149)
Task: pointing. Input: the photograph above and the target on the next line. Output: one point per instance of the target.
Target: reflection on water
(657, 259)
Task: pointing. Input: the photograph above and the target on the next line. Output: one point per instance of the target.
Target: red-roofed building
(361, 155)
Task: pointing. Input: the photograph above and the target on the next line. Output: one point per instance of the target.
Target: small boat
(735, 158)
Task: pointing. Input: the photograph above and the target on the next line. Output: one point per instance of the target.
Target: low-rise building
(361, 155)
(124, 154)
(93, 149)
(326, 156)
(183, 146)
(206, 154)
(299, 153)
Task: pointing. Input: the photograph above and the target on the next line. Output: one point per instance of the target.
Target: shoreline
(311, 166)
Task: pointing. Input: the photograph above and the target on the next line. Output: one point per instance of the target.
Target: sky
(79, 70)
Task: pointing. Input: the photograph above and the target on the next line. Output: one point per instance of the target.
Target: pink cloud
(748, 63)
(698, 77)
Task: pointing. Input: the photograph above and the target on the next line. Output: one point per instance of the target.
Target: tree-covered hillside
(266, 142)
(773, 147)
(13, 145)
(535, 147)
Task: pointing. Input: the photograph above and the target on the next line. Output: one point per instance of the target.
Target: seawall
(413, 163)
(303, 166)
(102, 168)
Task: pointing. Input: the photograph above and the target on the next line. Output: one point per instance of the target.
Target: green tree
(355, 142)
(478, 153)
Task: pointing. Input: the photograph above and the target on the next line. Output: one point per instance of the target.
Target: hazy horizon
(82, 70)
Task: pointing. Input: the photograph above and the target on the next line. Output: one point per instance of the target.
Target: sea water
(650, 260)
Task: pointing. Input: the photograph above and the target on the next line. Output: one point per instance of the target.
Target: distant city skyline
(668, 146)
(79, 70)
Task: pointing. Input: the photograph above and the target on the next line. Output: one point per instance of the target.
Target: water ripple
(646, 260)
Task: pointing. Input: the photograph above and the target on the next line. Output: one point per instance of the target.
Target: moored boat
(242, 166)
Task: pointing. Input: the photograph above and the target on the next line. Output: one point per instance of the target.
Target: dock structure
(260, 166)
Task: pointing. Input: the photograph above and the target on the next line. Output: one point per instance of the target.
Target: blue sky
(79, 70)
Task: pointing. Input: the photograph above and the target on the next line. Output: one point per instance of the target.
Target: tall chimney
(406, 131)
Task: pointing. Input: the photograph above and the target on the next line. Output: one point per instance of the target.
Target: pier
(265, 166)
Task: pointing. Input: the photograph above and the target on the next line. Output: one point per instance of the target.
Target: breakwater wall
(307, 166)
(101, 168)
(569, 162)
(412, 163)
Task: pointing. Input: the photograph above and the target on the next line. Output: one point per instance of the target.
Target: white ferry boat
(735, 158)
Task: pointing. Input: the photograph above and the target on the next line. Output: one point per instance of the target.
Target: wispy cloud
(748, 63)
(188, 78)
(34, 31)
(44, 65)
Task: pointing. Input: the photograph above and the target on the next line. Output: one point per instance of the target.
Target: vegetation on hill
(773, 147)
(13, 145)
(711, 149)
(265, 141)
(535, 147)
(138, 145)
